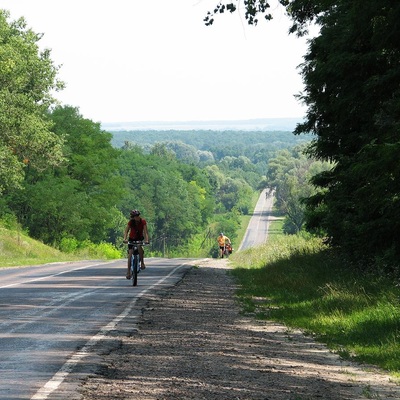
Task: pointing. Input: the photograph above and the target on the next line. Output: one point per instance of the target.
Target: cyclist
(137, 230)
(222, 240)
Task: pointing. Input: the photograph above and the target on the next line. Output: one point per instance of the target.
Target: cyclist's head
(222, 234)
(135, 213)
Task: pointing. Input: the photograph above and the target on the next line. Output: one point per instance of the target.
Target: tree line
(211, 146)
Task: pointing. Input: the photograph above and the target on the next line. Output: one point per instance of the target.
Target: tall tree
(352, 79)
(352, 90)
(27, 78)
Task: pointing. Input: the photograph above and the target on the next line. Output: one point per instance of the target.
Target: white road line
(48, 388)
(52, 275)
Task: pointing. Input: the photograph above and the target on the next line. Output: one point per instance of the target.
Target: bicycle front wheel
(134, 269)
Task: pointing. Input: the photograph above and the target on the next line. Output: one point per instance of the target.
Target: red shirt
(136, 229)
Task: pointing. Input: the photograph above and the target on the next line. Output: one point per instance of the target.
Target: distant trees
(289, 174)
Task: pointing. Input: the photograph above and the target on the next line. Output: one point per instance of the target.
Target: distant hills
(261, 124)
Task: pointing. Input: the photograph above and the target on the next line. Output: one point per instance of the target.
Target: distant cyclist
(137, 231)
(222, 241)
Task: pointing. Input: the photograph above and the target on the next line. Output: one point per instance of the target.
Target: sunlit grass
(18, 249)
(300, 282)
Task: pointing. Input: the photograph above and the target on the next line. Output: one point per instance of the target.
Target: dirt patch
(192, 342)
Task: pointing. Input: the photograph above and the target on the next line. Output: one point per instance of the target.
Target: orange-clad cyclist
(222, 242)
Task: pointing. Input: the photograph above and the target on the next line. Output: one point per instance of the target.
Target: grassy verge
(301, 283)
(275, 226)
(18, 249)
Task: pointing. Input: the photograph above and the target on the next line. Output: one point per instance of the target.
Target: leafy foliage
(175, 198)
(78, 198)
(252, 9)
(352, 78)
(27, 78)
(289, 175)
(225, 148)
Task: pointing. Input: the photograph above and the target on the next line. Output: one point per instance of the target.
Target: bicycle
(227, 250)
(135, 259)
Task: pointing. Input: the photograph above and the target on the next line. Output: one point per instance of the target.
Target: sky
(140, 60)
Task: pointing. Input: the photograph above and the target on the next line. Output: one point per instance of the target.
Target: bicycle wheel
(134, 269)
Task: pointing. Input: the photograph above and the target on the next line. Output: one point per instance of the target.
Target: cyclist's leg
(141, 254)
(128, 272)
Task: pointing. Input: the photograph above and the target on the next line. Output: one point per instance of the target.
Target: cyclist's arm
(126, 232)
(146, 234)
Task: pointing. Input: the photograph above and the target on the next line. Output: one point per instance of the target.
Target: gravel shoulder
(192, 342)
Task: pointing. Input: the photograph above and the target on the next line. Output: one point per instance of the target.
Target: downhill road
(257, 230)
(51, 315)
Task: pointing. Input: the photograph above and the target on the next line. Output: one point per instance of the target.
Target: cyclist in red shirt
(137, 230)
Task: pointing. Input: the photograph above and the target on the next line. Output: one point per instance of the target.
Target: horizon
(257, 124)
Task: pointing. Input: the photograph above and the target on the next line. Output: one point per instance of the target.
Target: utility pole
(164, 237)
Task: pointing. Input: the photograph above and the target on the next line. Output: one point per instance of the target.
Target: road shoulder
(192, 342)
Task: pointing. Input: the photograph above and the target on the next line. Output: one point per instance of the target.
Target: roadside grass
(302, 283)
(275, 226)
(17, 249)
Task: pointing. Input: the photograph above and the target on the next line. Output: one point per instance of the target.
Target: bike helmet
(134, 213)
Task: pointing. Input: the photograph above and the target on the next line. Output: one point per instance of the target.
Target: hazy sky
(140, 60)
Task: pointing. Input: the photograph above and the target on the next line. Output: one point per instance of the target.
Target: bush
(68, 245)
(89, 249)
(9, 221)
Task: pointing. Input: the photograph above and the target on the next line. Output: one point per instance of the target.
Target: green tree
(79, 198)
(352, 76)
(27, 79)
(175, 198)
(352, 91)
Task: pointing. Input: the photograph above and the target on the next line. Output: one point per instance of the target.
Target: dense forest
(234, 141)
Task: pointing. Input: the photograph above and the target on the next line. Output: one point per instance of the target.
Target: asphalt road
(257, 230)
(52, 315)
